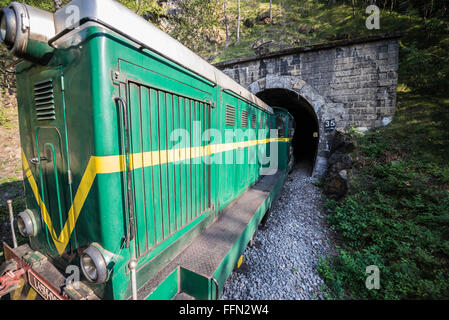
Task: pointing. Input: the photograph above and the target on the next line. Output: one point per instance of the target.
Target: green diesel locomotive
(144, 167)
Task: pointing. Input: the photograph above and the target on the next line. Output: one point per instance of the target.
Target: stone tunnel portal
(306, 138)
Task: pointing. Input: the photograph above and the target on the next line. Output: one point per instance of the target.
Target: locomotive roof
(111, 13)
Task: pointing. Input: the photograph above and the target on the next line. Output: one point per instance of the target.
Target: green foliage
(397, 214)
(424, 56)
(424, 64)
(424, 8)
(143, 7)
(197, 24)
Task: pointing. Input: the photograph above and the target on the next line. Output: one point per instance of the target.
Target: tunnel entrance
(305, 140)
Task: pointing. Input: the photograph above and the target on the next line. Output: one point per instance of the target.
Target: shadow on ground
(9, 191)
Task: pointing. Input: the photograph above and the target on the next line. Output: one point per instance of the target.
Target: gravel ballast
(281, 264)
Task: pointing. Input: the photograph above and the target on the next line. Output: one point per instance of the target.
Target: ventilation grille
(44, 100)
(254, 121)
(261, 123)
(230, 116)
(244, 119)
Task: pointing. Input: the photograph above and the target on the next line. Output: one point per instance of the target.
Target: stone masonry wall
(360, 75)
(352, 82)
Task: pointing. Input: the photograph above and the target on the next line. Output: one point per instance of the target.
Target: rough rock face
(172, 10)
(248, 23)
(342, 160)
(263, 18)
(261, 46)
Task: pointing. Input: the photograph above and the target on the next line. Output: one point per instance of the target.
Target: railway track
(282, 262)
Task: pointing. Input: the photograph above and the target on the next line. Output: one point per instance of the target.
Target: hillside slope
(299, 23)
(396, 215)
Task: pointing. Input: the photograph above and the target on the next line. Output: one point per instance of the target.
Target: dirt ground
(11, 178)
(10, 165)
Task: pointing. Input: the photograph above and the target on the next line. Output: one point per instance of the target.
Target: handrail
(217, 287)
(131, 235)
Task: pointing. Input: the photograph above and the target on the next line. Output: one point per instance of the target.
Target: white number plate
(44, 291)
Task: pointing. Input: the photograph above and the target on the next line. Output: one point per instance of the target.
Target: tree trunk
(57, 4)
(138, 6)
(238, 25)
(226, 21)
(271, 11)
(282, 12)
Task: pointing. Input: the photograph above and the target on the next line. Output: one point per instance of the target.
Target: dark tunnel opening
(305, 140)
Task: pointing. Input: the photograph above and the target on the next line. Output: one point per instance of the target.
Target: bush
(424, 57)
(397, 214)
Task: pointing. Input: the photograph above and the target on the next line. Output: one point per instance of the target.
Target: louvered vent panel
(230, 115)
(44, 100)
(254, 122)
(244, 119)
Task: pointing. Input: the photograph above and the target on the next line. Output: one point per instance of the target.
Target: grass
(396, 215)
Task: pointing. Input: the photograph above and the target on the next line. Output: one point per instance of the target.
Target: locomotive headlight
(94, 264)
(26, 223)
(2, 29)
